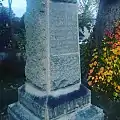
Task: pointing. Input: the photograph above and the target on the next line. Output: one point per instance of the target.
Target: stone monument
(53, 89)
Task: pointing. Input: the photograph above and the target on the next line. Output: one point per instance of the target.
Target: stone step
(57, 106)
(16, 111)
(91, 112)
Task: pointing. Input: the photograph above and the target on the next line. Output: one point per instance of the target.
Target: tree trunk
(108, 14)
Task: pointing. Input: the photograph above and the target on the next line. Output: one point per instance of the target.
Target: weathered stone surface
(36, 50)
(67, 1)
(19, 112)
(57, 106)
(64, 52)
(52, 35)
(29, 102)
(63, 28)
(90, 112)
(64, 71)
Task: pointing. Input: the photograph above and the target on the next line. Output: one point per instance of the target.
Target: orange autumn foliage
(104, 73)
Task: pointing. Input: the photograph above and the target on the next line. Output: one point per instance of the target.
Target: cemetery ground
(10, 82)
(8, 93)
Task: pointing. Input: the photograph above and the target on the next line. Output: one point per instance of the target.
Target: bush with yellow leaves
(104, 68)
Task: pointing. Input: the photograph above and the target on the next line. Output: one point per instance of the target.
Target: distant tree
(14, 29)
(20, 37)
(5, 27)
(87, 13)
(10, 13)
(22, 24)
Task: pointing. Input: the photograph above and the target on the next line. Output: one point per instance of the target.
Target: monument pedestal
(53, 89)
(72, 106)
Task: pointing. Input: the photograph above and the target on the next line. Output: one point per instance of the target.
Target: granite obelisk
(53, 89)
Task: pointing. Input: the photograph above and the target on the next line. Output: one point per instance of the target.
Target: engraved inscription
(63, 29)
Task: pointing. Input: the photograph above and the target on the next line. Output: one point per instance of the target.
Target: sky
(18, 6)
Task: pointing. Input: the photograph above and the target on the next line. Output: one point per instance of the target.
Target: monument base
(72, 106)
(19, 112)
